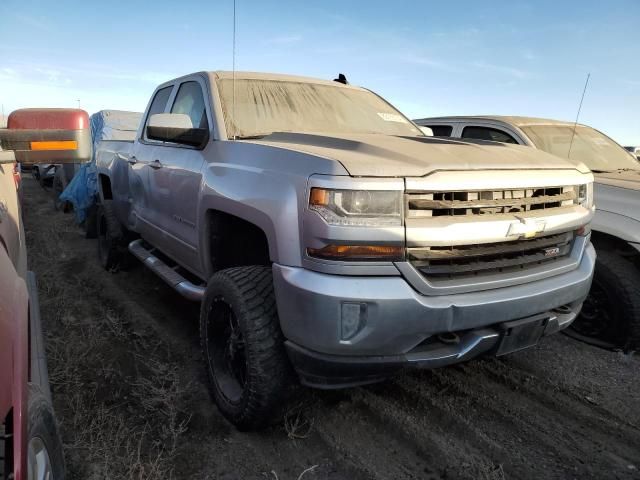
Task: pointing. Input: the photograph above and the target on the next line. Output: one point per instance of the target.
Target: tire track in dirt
(556, 397)
(372, 446)
(505, 422)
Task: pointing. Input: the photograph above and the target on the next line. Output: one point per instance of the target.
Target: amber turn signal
(55, 145)
(319, 196)
(358, 252)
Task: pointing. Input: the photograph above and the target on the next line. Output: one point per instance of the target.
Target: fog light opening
(450, 338)
(353, 318)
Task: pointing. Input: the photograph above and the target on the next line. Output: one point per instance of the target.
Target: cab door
(144, 205)
(175, 178)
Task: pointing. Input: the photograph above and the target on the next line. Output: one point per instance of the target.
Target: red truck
(30, 447)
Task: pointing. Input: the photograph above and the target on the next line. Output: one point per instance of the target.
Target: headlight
(585, 195)
(358, 208)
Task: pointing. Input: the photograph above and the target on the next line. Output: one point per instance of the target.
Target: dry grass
(118, 421)
(117, 393)
(298, 423)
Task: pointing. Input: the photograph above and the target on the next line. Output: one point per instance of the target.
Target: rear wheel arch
(104, 186)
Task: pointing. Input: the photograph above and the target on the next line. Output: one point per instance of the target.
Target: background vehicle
(634, 150)
(57, 175)
(82, 192)
(612, 311)
(43, 173)
(29, 442)
(321, 229)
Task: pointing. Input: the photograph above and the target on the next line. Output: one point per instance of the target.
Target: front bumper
(340, 371)
(399, 320)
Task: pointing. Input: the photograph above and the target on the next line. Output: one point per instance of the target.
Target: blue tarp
(82, 191)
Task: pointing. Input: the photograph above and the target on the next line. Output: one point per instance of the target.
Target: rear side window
(441, 130)
(159, 103)
(190, 101)
(486, 133)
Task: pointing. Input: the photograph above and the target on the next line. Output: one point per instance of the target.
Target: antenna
(575, 124)
(233, 107)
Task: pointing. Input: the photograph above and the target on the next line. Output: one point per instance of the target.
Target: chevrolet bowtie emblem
(526, 227)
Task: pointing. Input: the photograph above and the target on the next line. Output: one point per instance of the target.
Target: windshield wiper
(617, 170)
(249, 137)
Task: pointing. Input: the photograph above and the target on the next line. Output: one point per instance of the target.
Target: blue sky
(427, 58)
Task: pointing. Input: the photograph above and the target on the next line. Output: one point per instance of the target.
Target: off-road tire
(111, 238)
(91, 222)
(248, 293)
(619, 280)
(42, 424)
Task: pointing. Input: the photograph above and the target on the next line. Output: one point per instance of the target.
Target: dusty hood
(381, 155)
(629, 180)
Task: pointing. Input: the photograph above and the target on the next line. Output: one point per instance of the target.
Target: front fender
(616, 225)
(268, 201)
(263, 185)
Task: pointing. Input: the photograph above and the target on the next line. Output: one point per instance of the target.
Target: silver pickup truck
(611, 314)
(328, 238)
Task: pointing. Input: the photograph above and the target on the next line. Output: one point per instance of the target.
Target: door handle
(132, 160)
(155, 164)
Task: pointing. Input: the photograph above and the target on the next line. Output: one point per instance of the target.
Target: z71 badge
(551, 252)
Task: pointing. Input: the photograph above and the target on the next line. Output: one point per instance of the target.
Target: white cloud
(421, 60)
(41, 72)
(285, 39)
(500, 69)
(425, 61)
(99, 87)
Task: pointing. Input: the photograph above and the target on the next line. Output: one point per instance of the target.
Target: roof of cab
(226, 75)
(239, 75)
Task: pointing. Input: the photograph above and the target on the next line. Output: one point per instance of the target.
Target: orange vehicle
(29, 443)
(45, 126)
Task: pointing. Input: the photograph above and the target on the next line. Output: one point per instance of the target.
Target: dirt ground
(130, 393)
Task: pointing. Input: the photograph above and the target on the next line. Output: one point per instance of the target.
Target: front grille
(489, 202)
(458, 261)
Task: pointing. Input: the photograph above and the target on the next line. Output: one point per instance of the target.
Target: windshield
(266, 106)
(595, 150)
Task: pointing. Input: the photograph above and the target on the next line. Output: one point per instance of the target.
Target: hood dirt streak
(386, 156)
